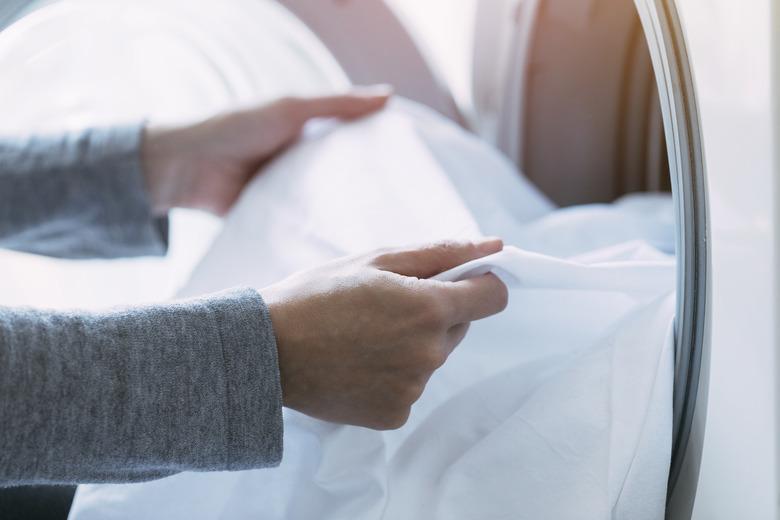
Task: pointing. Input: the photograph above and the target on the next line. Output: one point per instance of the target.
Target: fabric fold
(559, 407)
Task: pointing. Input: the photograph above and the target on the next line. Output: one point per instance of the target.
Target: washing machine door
(619, 99)
(596, 99)
(682, 127)
(711, 61)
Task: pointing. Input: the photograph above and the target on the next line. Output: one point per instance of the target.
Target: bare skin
(358, 338)
(207, 165)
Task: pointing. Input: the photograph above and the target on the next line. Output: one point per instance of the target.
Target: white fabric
(371, 184)
(558, 408)
(518, 268)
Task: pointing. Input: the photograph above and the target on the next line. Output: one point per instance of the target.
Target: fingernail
(381, 90)
(490, 244)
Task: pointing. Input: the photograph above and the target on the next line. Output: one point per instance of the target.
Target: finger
(430, 260)
(455, 336)
(475, 298)
(359, 103)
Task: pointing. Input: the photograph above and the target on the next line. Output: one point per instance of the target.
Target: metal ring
(687, 167)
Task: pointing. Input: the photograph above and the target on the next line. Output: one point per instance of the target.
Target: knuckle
(449, 247)
(411, 394)
(391, 419)
(434, 312)
(381, 257)
(432, 359)
(502, 295)
(459, 334)
(397, 419)
(287, 107)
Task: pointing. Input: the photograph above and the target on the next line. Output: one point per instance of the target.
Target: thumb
(430, 260)
(358, 103)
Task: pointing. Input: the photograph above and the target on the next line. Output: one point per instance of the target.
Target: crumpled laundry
(558, 408)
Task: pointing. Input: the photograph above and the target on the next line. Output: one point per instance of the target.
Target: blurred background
(74, 44)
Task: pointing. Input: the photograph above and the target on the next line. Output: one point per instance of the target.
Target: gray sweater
(132, 393)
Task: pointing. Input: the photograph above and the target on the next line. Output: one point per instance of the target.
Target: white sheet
(558, 408)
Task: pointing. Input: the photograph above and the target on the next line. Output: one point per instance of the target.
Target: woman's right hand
(358, 338)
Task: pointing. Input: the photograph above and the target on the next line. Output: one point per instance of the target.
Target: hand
(207, 165)
(359, 338)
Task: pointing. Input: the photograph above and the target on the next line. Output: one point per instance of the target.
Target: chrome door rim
(682, 127)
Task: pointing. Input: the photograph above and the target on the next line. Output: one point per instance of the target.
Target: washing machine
(594, 99)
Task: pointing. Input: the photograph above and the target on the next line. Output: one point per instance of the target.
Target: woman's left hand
(207, 165)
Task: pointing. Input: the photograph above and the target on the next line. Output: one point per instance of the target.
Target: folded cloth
(558, 408)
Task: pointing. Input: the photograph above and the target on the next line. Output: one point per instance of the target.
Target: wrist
(278, 314)
(162, 163)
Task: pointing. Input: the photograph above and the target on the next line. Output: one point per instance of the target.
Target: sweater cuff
(114, 154)
(254, 392)
(78, 195)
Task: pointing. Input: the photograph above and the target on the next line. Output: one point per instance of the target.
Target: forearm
(78, 195)
(139, 393)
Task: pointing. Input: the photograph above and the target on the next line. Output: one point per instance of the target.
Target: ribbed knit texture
(133, 393)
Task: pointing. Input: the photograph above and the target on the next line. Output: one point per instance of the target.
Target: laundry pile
(558, 408)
